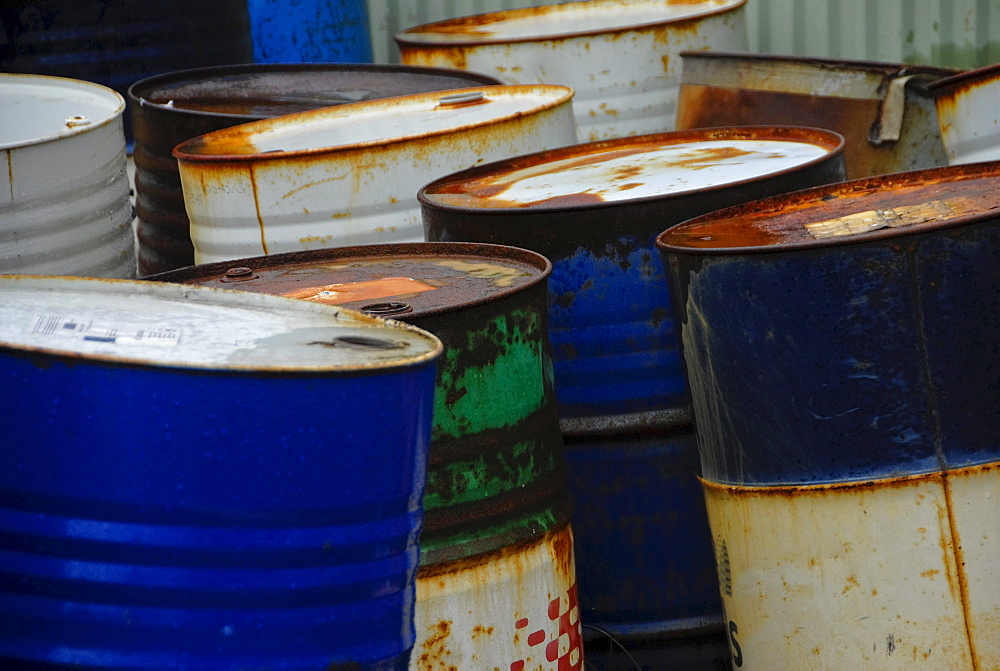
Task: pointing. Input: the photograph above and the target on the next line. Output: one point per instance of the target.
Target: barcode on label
(88, 330)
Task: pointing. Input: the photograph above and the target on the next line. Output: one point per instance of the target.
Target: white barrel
(66, 208)
(349, 175)
(969, 115)
(921, 593)
(514, 609)
(622, 57)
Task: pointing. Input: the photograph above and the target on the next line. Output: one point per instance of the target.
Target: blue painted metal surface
(850, 358)
(310, 31)
(158, 517)
(644, 558)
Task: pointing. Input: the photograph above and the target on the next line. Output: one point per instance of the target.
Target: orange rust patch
(480, 630)
(435, 647)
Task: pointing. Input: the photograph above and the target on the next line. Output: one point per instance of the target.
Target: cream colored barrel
(920, 593)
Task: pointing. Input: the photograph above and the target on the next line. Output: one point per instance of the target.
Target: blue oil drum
(842, 348)
(310, 31)
(207, 479)
(644, 559)
(595, 210)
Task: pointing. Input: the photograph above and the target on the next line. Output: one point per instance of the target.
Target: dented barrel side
(885, 111)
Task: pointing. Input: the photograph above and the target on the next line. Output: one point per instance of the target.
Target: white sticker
(88, 330)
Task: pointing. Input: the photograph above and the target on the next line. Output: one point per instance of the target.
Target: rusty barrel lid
(561, 21)
(371, 123)
(259, 91)
(852, 212)
(405, 281)
(636, 168)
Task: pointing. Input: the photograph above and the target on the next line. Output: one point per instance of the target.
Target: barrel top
(857, 211)
(372, 123)
(629, 169)
(560, 21)
(177, 326)
(37, 108)
(263, 90)
(403, 281)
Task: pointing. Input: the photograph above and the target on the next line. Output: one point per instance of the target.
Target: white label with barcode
(103, 332)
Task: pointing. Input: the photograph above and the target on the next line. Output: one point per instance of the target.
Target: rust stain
(256, 203)
(435, 648)
(852, 582)
(480, 630)
(10, 173)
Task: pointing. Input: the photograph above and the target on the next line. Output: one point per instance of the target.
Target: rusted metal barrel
(622, 57)
(348, 175)
(841, 345)
(968, 114)
(496, 547)
(65, 209)
(594, 210)
(196, 478)
(171, 108)
(885, 111)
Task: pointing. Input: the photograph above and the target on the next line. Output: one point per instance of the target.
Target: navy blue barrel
(207, 479)
(310, 31)
(842, 348)
(644, 555)
(595, 210)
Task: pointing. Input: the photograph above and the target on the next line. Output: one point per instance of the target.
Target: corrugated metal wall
(957, 33)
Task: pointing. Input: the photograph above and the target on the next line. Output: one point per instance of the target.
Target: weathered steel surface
(968, 115)
(644, 558)
(884, 110)
(621, 57)
(207, 479)
(496, 474)
(513, 609)
(65, 208)
(884, 574)
(349, 174)
(895, 325)
(616, 357)
(841, 348)
(171, 108)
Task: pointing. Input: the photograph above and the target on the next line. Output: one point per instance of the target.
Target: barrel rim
(780, 203)
(182, 154)
(403, 41)
(835, 146)
(468, 250)
(968, 78)
(98, 90)
(192, 75)
(887, 68)
(120, 287)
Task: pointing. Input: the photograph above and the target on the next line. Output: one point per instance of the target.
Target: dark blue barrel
(119, 42)
(864, 314)
(595, 210)
(205, 479)
(310, 31)
(644, 557)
